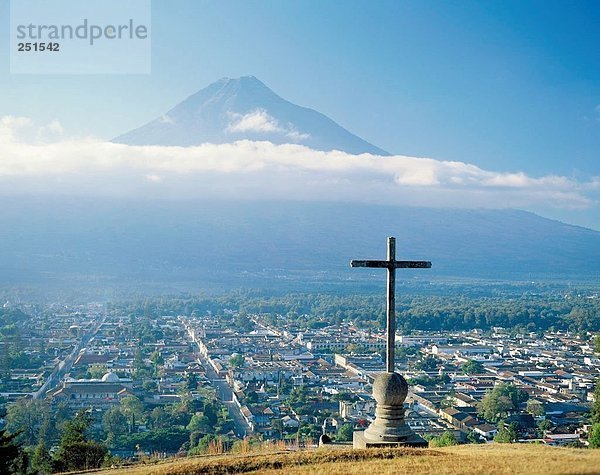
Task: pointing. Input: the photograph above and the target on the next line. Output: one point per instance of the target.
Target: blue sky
(508, 86)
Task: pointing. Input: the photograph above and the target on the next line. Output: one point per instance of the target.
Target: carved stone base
(389, 427)
(361, 442)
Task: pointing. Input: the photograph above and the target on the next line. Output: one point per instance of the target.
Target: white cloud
(296, 136)
(264, 170)
(53, 131)
(153, 178)
(11, 126)
(259, 120)
(9, 122)
(166, 119)
(255, 121)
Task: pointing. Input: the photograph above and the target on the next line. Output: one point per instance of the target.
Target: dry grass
(467, 459)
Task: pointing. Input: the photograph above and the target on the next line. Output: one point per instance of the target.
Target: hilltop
(465, 459)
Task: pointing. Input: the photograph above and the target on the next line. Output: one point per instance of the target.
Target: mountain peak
(240, 108)
(247, 79)
(243, 84)
(242, 81)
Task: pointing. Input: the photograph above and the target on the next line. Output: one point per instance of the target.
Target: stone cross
(391, 264)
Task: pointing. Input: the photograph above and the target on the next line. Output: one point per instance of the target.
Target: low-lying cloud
(261, 121)
(41, 160)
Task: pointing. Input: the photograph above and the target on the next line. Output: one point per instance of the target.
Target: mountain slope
(244, 108)
(275, 245)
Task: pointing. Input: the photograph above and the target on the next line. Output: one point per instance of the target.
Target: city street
(63, 367)
(225, 395)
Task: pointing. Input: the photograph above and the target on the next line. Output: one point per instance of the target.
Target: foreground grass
(466, 459)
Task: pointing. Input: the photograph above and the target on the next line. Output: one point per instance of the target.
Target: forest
(527, 312)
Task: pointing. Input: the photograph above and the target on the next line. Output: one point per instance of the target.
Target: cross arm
(392, 264)
(412, 264)
(378, 264)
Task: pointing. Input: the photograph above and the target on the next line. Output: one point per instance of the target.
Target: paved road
(63, 367)
(225, 395)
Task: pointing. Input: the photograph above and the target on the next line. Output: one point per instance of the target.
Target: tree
(75, 452)
(298, 399)
(75, 429)
(596, 406)
(544, 426)
(195, 438)
(61, 415)
(160, 418)
(5, 366)
(25, 417)
(429, 363)
(309, 431)
(138, 360)
(41, 461)
(10, 453)
(243, 323)
(80, 456)
(160, 440)
(493, 406)
(277, 425)
(192, 381)
(149, 386)
(237, 361)
(445, 440)
(500, 401)
(343, 396)
(345, 432)
(96, 371)
(474, 438)
(517, 395)
(535, 407)
(114, 422)
(131, 406)
(594, 437)
(199, 423)
(211, 410)
(203, 445)
(224, 421)
(472, 367)
(355, 348)
(47, 432)
(298, 395)
(507, 434)
(133, 409)
(157, 359)
(251, 397)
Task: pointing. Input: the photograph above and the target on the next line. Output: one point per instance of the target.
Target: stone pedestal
(388, 428)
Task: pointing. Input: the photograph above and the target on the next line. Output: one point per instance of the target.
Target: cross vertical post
(391, 308)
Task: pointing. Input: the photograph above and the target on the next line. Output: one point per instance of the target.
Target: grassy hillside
(467, 459)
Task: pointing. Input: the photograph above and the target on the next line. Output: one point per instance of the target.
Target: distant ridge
(274, 244)
(245, 108)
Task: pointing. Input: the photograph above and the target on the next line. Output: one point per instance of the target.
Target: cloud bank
(41, 160)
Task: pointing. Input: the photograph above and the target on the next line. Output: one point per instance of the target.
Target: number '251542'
(38, 47)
